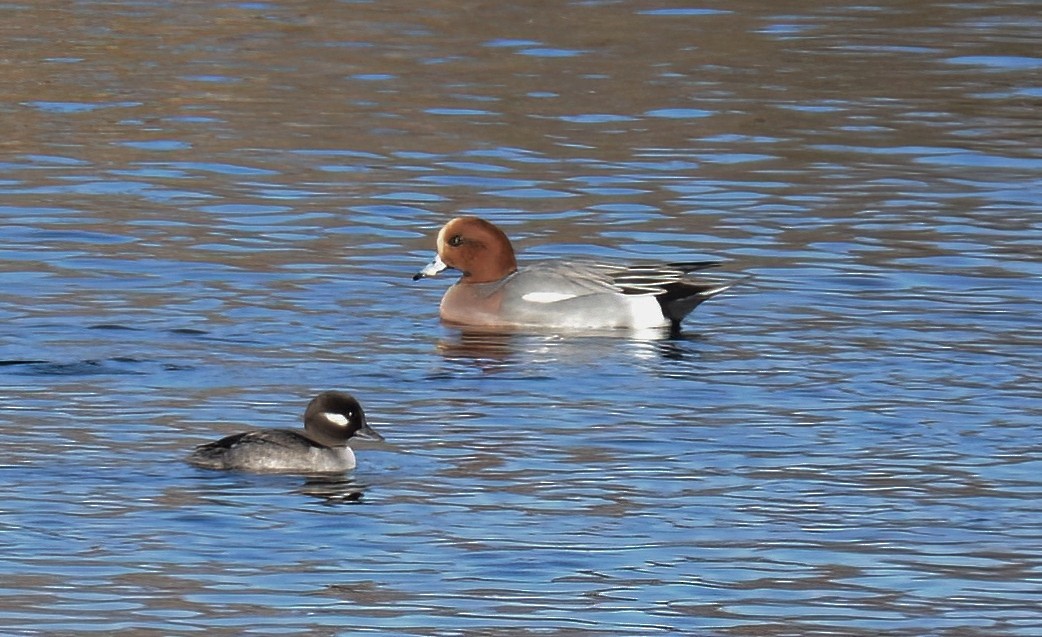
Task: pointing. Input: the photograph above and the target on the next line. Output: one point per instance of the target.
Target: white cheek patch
(547, 297)
(337, 419)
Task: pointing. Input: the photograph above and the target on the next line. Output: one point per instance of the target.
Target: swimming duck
(493, 291)
(331, 419)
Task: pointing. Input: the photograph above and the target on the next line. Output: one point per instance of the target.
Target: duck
(492, 291)
(331, 419)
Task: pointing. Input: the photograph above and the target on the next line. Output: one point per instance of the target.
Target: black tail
(682, 297)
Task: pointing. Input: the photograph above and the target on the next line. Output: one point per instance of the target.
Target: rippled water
(211, 211)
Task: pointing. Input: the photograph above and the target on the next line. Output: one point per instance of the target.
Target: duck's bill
(434, 267)
(368, 433)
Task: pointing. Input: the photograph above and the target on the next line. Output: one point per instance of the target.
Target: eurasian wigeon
(331, 419)
(492, 291)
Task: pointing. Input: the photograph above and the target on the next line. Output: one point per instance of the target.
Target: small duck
(492, 291)
(331, 419)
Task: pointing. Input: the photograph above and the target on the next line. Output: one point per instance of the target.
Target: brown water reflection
(212, 210)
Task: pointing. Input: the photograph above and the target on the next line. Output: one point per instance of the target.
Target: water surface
(212, 211)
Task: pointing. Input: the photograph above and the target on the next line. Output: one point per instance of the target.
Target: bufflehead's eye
(456, 241)
(335, 418)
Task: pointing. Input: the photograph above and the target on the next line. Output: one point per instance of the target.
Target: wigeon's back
(492, 291)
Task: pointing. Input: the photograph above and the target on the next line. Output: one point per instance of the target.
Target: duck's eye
(456, 241)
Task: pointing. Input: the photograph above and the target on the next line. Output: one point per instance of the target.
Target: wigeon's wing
(656, 278)
(568, 279)
(548, 282)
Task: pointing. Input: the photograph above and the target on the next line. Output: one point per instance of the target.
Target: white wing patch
(337, 419)
(547, 297)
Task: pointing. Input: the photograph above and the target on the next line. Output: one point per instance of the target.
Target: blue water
(209, 216)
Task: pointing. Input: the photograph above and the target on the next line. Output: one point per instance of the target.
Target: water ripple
(844, 443)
